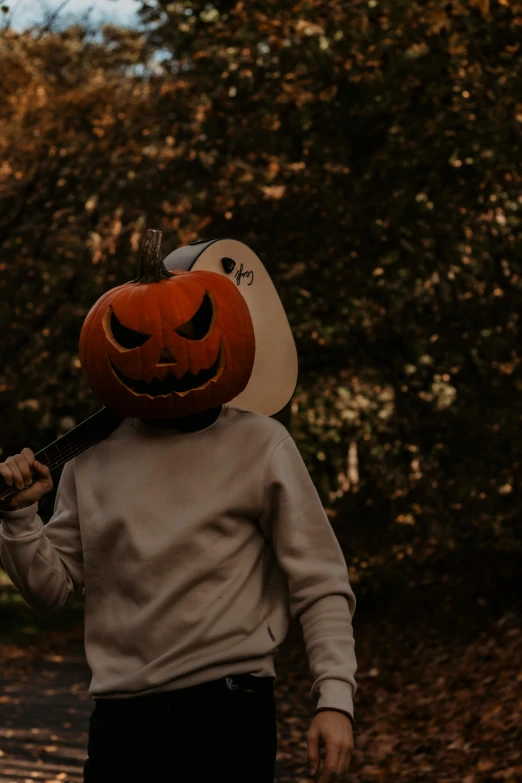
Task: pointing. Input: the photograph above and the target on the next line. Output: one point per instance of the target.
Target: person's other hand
(333, 729)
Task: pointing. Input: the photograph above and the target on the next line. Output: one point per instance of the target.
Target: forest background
(369, 152)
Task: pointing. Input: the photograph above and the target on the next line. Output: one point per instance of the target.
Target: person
(196, 540)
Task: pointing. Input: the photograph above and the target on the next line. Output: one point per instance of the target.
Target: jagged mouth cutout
(171, 385)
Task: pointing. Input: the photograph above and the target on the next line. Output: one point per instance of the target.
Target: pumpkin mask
(167, 344)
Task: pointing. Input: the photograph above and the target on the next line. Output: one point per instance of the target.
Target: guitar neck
(79, 439)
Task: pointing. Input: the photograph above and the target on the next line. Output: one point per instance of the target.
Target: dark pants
(220, 730)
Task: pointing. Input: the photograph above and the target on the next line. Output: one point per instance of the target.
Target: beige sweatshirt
(194, 550)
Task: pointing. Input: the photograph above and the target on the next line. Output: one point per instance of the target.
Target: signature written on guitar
(239, 275)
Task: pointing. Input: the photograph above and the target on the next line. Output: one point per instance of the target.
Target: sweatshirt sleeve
(308, 552)
(45, 562)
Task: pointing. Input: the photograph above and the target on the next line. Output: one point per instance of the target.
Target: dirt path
(430, 710)
(44, 711)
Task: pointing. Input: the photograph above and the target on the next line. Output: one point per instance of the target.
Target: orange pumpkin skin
(168, 375)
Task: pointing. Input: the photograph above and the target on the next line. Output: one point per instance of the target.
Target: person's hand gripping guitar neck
(31, 478)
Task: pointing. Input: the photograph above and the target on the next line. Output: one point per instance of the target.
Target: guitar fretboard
(83, 436)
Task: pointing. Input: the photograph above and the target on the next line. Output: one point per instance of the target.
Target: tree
(368, 152)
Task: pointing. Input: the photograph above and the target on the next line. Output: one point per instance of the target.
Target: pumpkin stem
(152, 268)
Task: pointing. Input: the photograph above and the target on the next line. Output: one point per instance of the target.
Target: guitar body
(274, 375)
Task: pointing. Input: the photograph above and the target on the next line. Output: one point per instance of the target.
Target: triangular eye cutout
(127, 338)
(200, 324)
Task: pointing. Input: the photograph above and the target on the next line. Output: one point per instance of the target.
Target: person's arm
(307, 550)
(45, 562)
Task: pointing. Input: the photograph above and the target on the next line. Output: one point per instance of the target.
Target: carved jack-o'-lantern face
(168, 344)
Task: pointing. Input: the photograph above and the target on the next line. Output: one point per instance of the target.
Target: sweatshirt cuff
(355, 727)
(336, 695)
(20, 521)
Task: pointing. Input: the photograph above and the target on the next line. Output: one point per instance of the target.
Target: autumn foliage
(369, 152)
